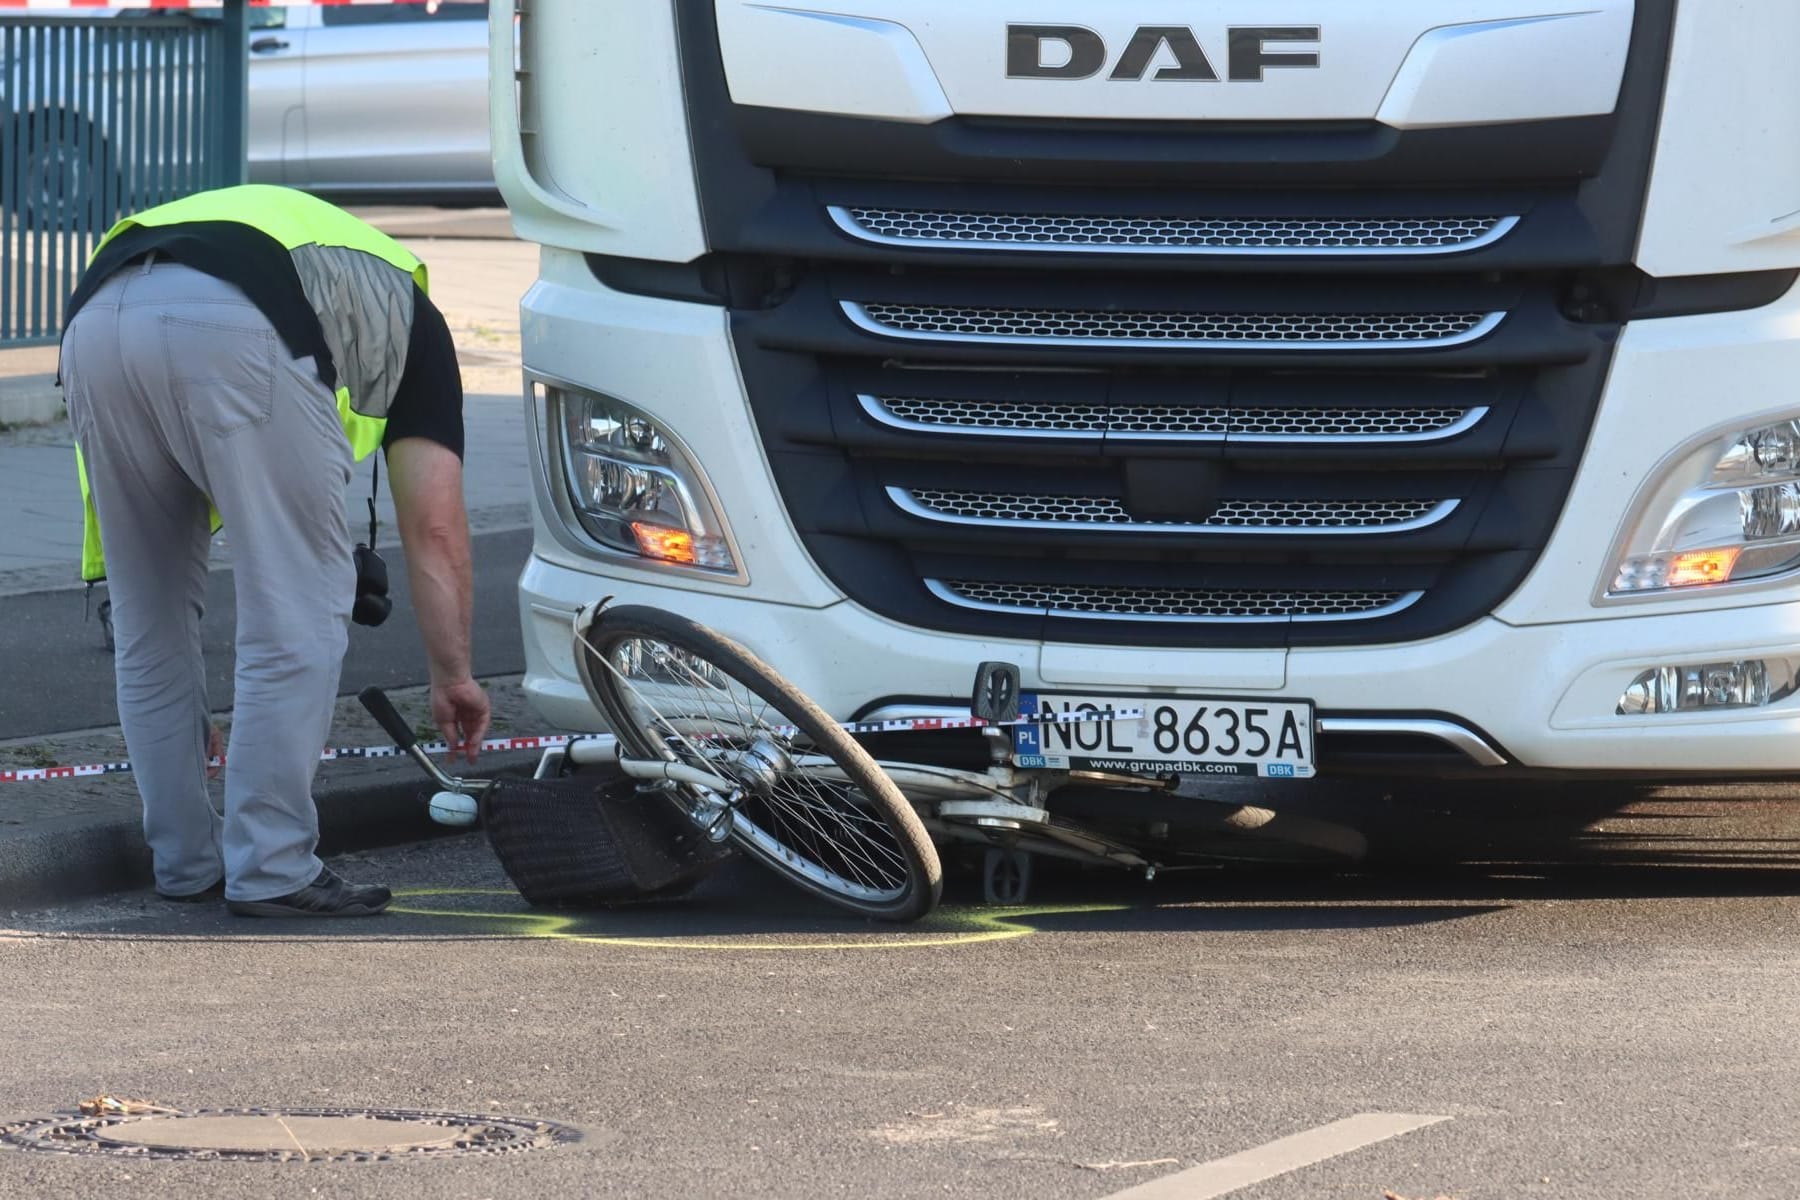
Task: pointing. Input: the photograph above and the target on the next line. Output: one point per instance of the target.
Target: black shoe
(326, 896)
(215, 892)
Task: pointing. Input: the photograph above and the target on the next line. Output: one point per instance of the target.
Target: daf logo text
(1077, 52)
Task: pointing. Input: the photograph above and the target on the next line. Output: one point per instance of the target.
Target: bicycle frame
(1003, 804)
(916, 780)
(597, 751)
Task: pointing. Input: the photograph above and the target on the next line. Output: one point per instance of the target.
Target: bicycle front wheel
(674, 690)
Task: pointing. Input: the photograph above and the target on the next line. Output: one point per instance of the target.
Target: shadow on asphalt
(1560, 840)
(744, 909)
(1438, 857)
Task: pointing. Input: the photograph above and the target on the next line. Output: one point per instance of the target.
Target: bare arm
(434, 528)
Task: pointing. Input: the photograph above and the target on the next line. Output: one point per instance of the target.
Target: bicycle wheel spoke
(710, 693)
(840, 858)
(714, 698)
(822, 801)
(807, 816)
(800, 837)
(631, 689)
(856, 842)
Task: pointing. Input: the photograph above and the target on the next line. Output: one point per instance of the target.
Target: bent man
(234, 354)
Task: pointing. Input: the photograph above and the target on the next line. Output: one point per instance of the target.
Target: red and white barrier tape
(330, 754)
(557, 741)
(183, 4)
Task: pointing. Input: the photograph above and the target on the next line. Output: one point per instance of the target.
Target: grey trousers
(180, 390)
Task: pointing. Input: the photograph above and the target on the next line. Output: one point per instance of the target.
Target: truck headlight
(1727, 512)
(632, 486)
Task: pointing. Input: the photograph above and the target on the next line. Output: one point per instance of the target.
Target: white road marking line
(1222, 1176)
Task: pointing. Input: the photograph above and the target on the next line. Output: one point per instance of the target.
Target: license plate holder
(1185, 735)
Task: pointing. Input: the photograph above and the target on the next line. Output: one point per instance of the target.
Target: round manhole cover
(282, 1135)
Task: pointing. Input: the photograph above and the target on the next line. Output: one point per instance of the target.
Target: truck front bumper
(1540, 697)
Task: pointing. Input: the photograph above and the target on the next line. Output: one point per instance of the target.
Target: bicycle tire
(795, 834)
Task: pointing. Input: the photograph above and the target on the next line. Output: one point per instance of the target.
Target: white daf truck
(1409, 386)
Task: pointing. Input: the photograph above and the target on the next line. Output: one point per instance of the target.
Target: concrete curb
(80, 860)
(34, 400)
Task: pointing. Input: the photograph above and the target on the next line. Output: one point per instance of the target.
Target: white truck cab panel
(1410, 63)
(1430, 361)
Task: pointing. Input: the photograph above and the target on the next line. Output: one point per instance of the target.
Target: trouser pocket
(223, 374)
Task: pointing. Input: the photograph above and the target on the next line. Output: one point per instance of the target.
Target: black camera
(372, 602)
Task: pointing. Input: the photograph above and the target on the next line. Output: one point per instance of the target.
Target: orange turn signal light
(669, 545)
(1692, 568)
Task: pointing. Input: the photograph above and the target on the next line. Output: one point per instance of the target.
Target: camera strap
(374, 491)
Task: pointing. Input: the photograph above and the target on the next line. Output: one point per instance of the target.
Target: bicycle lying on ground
(747, 758)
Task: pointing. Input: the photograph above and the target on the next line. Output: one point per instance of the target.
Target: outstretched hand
(462, 713)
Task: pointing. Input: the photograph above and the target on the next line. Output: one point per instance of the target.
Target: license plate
(1187, 735)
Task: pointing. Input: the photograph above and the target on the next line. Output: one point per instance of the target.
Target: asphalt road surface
(60, 674)
(1610, 1014)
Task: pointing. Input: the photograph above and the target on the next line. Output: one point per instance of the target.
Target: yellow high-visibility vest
(311, 230)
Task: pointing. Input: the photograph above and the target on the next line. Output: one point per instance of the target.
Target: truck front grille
(1186, 605)
(1168, 383)
(1171, 458)
(1116, 234)
(1191, 330)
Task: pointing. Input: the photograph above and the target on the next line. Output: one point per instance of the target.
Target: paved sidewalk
(28, 391)
(477, 282)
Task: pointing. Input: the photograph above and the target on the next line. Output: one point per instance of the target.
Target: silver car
(381, 98)
(385, 100)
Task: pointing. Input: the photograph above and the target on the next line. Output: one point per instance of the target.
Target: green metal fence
(104, 116)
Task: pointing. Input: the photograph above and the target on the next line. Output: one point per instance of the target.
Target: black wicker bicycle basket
(570, 843)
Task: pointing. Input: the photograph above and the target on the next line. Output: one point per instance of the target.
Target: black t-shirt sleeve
(429, 400)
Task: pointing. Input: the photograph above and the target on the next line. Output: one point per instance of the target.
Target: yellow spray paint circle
(950, 927)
